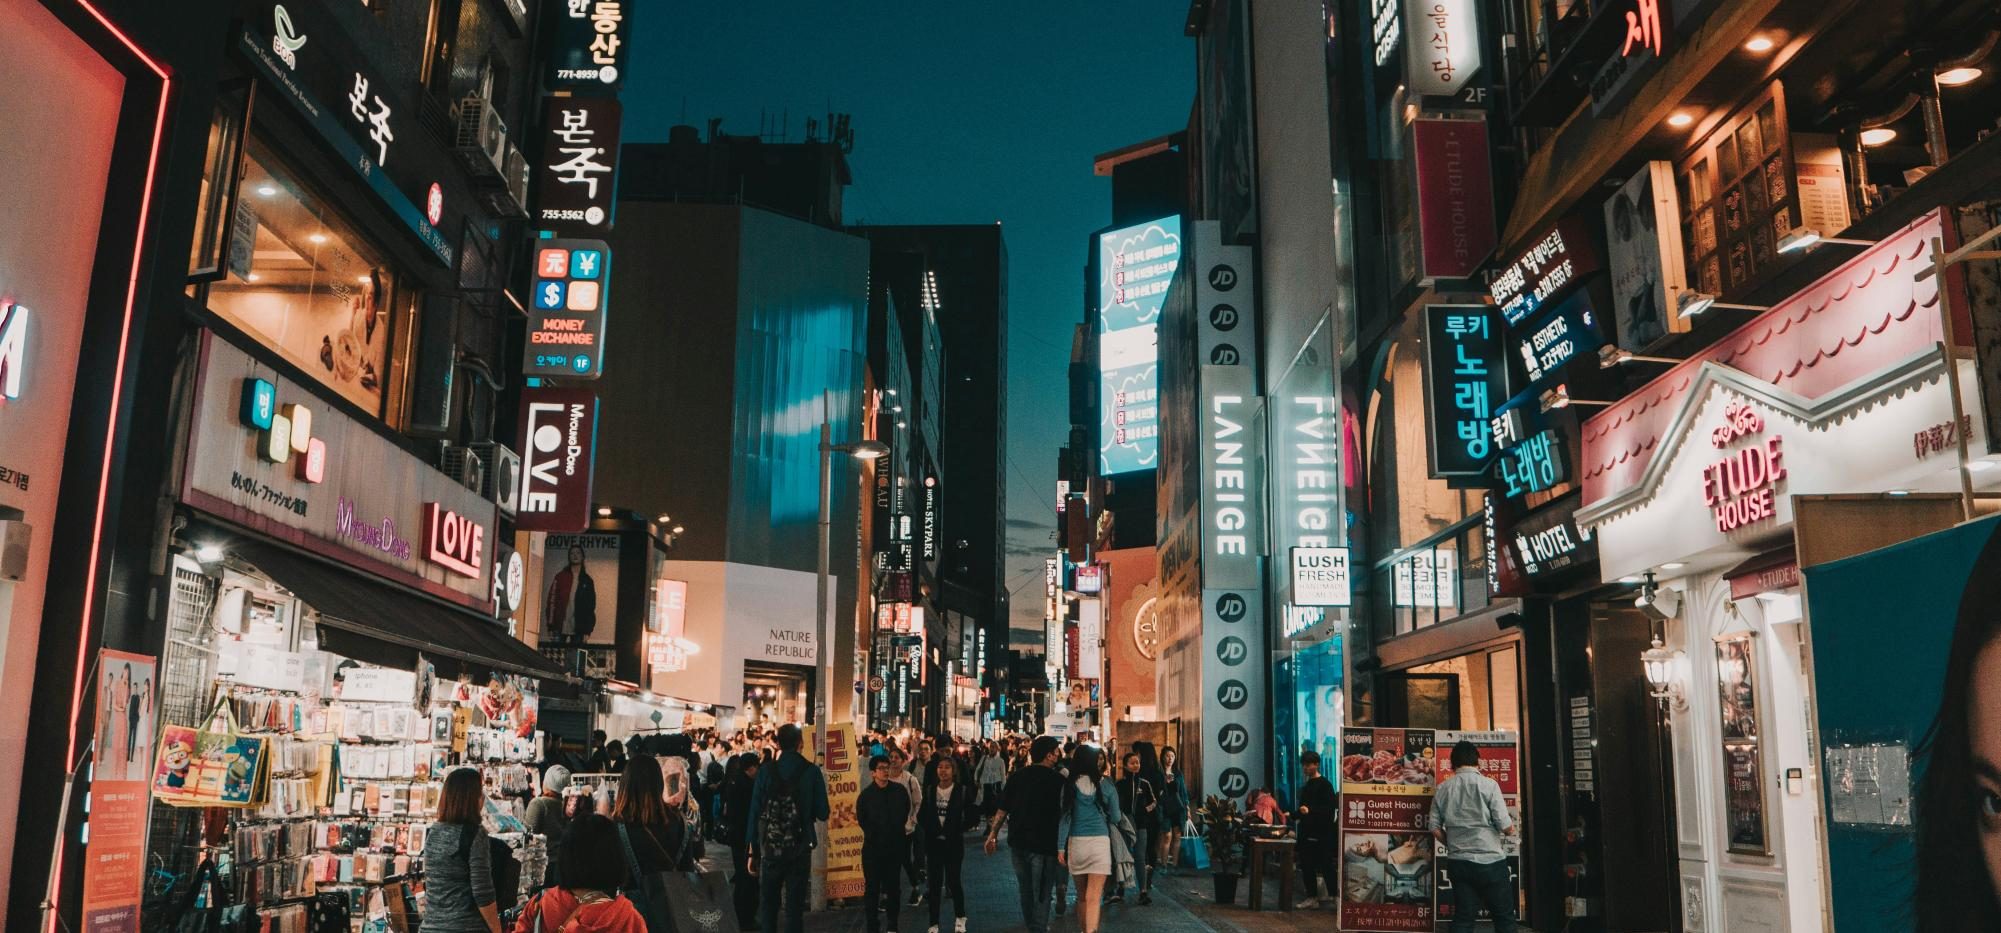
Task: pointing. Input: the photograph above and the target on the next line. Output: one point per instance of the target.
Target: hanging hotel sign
(1442, 46)
(1550, 541)
(1551, 266)
(588, 44)
(558, 444)
(1465, 381)
(566, 309)
(576, 182)
(1455, 195)
(274, 457)
(307, 58)
(1321, 576)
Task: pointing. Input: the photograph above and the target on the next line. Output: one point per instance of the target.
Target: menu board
(1387, 858)
(1500, 759)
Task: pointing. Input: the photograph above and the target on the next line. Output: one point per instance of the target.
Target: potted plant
(1223, 829)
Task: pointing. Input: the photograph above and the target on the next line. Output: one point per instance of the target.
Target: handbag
(1195, 852)
(699, 901)
(211, 767)
(648, 890)
(205, 908)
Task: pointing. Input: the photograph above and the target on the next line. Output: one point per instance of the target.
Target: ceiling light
(1954, 77)
(272, 190)
(1674, 565)
(1692, 303)
(1878, 136)
(663, 519)
(604, 512)
(1629, 578)
(1759, 44)
(1680, 119)
(253, 277)
(1979, 466)
(208, 553)
(1808, 237)
(364, 279)
(677, 529)
(318, 238)
(1900, 492)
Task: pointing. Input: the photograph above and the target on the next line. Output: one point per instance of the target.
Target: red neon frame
(117, 399)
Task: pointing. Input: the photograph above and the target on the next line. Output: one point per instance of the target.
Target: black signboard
(1545, 343)
(310, 62)
(1465, 381)
(1550, 541)
(566, 309)
(1548, 269)
(588, 45)
(576, 182)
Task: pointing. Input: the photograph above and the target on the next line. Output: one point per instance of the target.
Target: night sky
(964, 111)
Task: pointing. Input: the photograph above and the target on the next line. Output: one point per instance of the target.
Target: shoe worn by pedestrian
(1470, 819)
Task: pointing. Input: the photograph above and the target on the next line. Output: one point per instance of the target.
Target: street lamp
(1661, 665)
(1692, 303)
(860, 450)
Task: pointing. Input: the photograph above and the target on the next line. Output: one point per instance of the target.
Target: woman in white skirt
(1084, 836)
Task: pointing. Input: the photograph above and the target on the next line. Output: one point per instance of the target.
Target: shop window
(304, 283)
(228, 125)
(1738, 196)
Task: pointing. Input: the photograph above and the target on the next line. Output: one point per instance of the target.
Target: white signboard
(1441, 45)
(1428, 580)
(1090, 639)
(1231, 478)
(1321, 577)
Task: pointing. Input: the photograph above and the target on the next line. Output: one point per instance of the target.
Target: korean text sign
(566, 309)
(1465, 380)
(1135, 266)
(576, 183)
(589, 40)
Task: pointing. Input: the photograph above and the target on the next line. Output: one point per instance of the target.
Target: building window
(1738, 196)
(304, 283)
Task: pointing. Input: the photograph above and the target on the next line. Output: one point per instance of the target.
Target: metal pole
(824, 666)
(1959, 425)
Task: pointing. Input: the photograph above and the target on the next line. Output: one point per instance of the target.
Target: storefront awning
(371, 617)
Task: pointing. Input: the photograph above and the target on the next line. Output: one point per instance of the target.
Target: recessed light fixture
(270, 191)
(318, 238)
(663, 519)
(1900, 492)
(1681, 118)
(1979, 466)
(1759, 44)
(209, 553)
(677, 529)
(253, 277)
(604, 512)
(1954, 77)
(364, 279)
(1629, 579)
(1674, 565)
(1878, 136)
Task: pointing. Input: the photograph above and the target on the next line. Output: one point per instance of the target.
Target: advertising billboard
(1135, 265)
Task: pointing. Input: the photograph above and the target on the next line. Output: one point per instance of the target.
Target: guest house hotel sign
(274, 457)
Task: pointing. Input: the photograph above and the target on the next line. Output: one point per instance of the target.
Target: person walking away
(1319, 809)
(899, 762)
(1469, 818)
(742, 774)
(789, 797)
(651, 834)
(947, 811)
(545, 812)
(1084, 835)
(1173, 806)
(1032, 801)
(1141, 802)
(592, 867)
(458, 867)
(880, 810)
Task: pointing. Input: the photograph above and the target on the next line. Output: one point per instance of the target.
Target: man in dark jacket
(1141, 801)
(790, 783)
(1319, 810)
(881, 810)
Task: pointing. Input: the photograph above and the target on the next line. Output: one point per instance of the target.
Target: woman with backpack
(1084, 834)
(458, 867)
(592, 869)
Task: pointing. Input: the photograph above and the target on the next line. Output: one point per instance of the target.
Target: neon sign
(284, 430)
(1740, 488)
(453, 541)
(13, 347)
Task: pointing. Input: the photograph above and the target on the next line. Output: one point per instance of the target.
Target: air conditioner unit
(511, 200)
(503, 476)
(464, 465)
(14, 538)
(482, 139)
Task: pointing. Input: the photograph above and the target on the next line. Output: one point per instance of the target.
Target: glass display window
(304, 282)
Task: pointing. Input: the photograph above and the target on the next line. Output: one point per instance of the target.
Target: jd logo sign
(1233, 694)
(1231, 651)
(1233, 738)
(1224, 355)
(1233, 782)
(1222, 278)
(1223, 317)
(1231, 607)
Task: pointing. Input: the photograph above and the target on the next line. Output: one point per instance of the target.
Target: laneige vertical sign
(1232, 499)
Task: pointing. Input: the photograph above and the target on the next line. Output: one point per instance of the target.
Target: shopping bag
(647, 890)
(211, 767)
(1195, 852)
(701, 901)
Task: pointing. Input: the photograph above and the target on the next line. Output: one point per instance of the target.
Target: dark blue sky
(964, 111)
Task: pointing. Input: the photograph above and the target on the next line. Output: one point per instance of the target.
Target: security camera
(1658, 604)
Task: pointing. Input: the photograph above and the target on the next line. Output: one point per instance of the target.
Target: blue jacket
(1093, 818)
(809, 787)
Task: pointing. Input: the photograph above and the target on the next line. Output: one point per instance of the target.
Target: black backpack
(781, 828)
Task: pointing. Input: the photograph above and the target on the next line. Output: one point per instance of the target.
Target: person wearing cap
(545, 812)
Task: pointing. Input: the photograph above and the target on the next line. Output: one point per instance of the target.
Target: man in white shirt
(1469, 817)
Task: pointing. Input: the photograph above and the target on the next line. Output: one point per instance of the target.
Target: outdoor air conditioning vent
(464, 465)
(503, 475)
(14, 538)
(482, 139)
(511, 198)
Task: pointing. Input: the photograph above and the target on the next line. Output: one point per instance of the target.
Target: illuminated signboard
(1321, 576)
(930, 539)
(567, 309)
(1135, 266)
(1385, 28)
(1740, 488)
(1536, 464)
(1091, 578)
(1548, 342)
(1550, 541)
(588, 48)
(1231, 525)
(283, 430)
(1465, 380)
(13, 348)
(453, 541)
(1545, 271)
(576, 182)
(558, 442)
(1443, 49)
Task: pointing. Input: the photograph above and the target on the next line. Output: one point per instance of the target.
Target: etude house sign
(369, 506)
